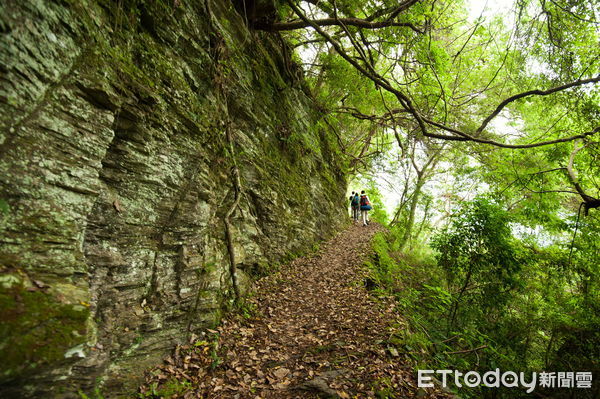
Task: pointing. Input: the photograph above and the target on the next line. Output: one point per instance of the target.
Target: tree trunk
(413, 208)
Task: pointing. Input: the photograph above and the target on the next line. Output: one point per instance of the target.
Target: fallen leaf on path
(281, 372)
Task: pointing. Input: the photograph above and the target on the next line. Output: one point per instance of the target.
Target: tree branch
(536, 92)
(359, 23)
(422, 121)
(467, 137)
(391, 11)
(588, 202)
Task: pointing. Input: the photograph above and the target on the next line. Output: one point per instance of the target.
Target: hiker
(365, 207)
(355, 204)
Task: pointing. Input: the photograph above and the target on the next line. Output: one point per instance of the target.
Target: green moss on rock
(116, 182)
(37, 329)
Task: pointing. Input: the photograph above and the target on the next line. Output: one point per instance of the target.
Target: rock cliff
(133, 134)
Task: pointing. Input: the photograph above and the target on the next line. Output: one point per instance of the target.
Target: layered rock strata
(122, 128)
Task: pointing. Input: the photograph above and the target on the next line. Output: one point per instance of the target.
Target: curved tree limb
(467, 137)
(376, 78)
(457, 135)
(391, 12)
(359, 23)
(536, 92)
(588, 201)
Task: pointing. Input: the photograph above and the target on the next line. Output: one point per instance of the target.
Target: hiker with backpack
(365, 207)
(355, 205)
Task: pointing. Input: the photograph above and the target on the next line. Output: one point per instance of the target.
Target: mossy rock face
(115, 176)
(37, 328)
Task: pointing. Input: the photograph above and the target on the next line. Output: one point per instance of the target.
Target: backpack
(364, 203)
(354, 200)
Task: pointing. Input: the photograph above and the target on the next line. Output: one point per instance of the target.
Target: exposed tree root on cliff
(237, 189)
(314, 331)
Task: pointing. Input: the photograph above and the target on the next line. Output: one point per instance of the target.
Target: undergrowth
(476, 299)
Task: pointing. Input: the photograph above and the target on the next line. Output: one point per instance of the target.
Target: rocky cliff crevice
(116, 176)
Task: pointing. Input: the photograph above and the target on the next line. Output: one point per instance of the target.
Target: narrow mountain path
(314, 332)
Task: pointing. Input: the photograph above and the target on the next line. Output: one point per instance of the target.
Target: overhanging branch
(456, 134)
(536, 92)
(359, 23)
(588, 201)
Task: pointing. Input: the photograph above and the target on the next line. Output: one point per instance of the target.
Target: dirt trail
(315, 332)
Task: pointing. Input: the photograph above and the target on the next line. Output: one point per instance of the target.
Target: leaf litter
(315, 332)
